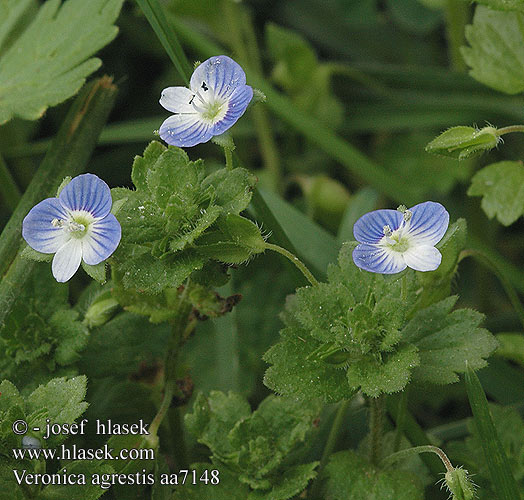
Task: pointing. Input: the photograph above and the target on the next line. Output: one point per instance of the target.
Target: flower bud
(463, 142)
(101, 310)
(459, 484)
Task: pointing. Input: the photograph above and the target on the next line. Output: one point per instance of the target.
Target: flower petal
(101, 241)
(378, 259)
(220, 75)
(429, 222)
(38, 230)
(370, 227)
(177, 100)
(423, 258)
(185, 130)
(67, 260)
(87, 192)
(237, 104)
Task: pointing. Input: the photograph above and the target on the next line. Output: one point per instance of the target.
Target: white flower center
(398, 240)
(211, 108)
(77, 223)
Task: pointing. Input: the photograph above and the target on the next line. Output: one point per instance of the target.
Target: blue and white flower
(391, 240)
(217, 98)
(77, 225)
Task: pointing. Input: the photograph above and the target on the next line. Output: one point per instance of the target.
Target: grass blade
(157, 19)
(504, 483)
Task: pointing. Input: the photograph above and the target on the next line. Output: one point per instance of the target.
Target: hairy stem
(376, 425)
(229, 158)
(510, 129)
(401, 417)
(293, 258)
(408, 452)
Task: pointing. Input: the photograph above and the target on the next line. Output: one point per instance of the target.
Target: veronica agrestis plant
(75, 226)
(217, 98)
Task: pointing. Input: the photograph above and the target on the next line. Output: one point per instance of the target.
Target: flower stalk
(296, 261)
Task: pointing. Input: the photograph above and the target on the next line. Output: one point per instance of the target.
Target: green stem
(179, 329)
(293, 258)
(510, 129)
(8, 187)
(330, 445)
(408, 452)
(401, 417)
(229, 158)
(169, 392)
(376, 425)
(506, 284)
(457, 16)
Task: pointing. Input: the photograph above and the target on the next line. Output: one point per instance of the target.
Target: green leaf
(448, 342)
(511, 346)
(172, 212)
(236, 240)
(11, 13)
(50, 61)
(347, 473)
(41, 331)
(31, 254)
(501, 186)
(10, 489)
(229, 487)
(511, 5)
(119, 347)
(392, 375)
(255, 445)
(293, 481)
(97, 272)
(463, 142)
(93, 473)
(504, 483)
(60, 400)
(496, 52)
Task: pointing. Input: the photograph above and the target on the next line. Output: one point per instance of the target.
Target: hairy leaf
(501, 186)
(175, 205)
(496, 51)
(348, 474)
(255, 445)
(448, 342)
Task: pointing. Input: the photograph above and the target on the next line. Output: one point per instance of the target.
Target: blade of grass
(8, 187)
(68, 155)
(313, 243)
(157, 19)
(360, 203)
(503, 482)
